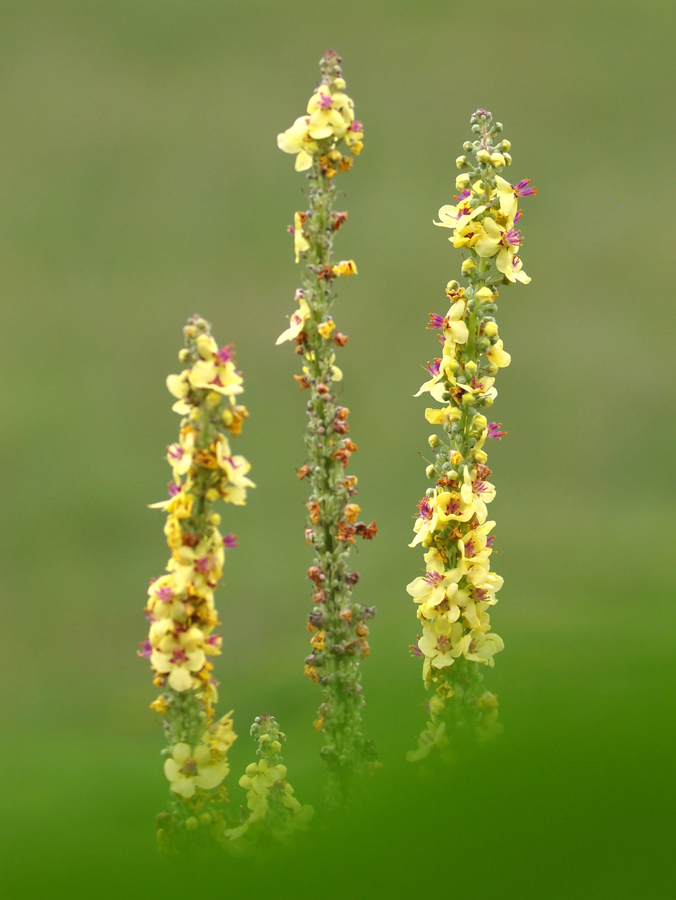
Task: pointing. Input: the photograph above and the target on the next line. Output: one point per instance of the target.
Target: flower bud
(340, 84)
(461, 162)
(462, 182)
(508, 159)
(497, 160)
(485, 295)
(468, 146)
(467, 398)
(430, 472)
(497, 128)
(490, 329)
(433, 440)
(184, 355)
(506, 145)
(468, 266)
(452, 286)
(483, 156)
(471, 367)
(191, 823)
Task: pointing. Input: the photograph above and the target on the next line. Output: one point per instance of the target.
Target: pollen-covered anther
(340, 339)
(303, 472)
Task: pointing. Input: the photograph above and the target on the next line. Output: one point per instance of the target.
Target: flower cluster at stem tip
(458, 588)
(270, 800)
(180, 605)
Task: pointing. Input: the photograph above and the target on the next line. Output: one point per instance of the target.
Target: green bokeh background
(139, 183)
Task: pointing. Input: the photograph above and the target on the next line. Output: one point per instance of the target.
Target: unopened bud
(468, 266)
(490, 329)
(461, 162)
(484, 295)
(506, 145)
(452, 286)
(508, 159)
(339, 84)
(433, 440)
(497, 160)
(462, 182)
(470, 367)
(483, 156)
(430, 472)
(467, 398)
(437, 706)
(184, 355)
(468, 146)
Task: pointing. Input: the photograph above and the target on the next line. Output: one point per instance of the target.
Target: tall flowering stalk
(458, 588)
(180, 604)
(337, 622)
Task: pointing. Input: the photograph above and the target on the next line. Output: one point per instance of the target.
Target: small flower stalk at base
(458, 588)
(337, 622)
(273, 813)
(180, 606)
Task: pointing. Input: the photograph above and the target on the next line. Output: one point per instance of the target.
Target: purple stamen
(494, 430)
(436, 321)
(518, 216)
(433, 578)
(174, 489)
(178, 656)
(214, 640)
(434, 367)
(425, 508)
(225, 354)
(165, 594)
(325, 101)
(356, 126)
(202, 564)
(415, 651)
(175, 452)
(523, 188)
(230, 541)
(469, 549)
(145, 650)
(512, 237)
(489, 541)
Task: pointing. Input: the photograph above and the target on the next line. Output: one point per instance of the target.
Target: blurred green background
(140, 182)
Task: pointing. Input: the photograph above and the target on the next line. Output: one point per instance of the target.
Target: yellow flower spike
(180, 605)
(326, 133)
(454, 595)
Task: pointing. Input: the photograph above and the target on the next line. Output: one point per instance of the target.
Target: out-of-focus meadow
(140, 182)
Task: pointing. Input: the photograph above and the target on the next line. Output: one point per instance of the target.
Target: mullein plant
(180, 606)
(273, 813)
(337, 622)
(458, 588)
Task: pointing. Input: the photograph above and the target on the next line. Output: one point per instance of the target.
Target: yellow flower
(481, 647)
(441, 650)
(502, 243)
(477, 494)
(437, 586)
(498, 356)
(443, 416)
(326, 328)
(469, 235)
(458, 216)
(345, 267)
(331, 114)
(297, 140)
(300, 242)
(177, 654)
(188, 769)
(297, 322)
